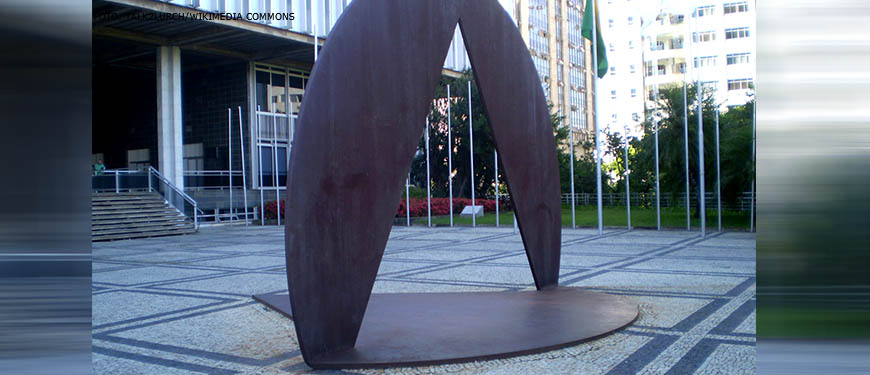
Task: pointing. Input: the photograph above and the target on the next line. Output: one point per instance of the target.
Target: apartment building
(552, 31)
(711, 41)
(622, 91)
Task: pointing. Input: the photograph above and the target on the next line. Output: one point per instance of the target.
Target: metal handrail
(186, 197)
(212, 173)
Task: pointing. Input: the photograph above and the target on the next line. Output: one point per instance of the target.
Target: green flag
(587, 33)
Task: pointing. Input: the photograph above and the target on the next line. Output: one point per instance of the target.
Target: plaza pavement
(180, 305)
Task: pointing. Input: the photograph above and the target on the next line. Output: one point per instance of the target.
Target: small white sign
(472, 210)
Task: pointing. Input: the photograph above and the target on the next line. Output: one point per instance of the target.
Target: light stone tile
(148, 274)
(244, 284)
(124, 305)
(728, 359)
(662, 282)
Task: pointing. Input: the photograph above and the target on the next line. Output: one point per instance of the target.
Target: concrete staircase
(117, 216)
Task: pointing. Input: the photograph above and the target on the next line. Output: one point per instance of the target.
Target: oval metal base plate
(414, 329)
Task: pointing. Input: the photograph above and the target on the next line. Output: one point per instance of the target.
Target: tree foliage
(735, 140)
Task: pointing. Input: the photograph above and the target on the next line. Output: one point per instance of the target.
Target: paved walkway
(179, 305)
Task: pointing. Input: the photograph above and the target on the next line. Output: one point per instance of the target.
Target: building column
(170, 146)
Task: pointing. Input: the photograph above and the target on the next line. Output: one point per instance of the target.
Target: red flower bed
(272, 209)
(441, 206)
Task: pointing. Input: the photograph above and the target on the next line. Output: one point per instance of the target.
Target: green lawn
(812, 322)
(613, 217)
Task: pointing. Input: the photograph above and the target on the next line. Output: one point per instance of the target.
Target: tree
(735, 143)
(484, 158)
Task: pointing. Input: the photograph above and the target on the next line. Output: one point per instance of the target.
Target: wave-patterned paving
(183, 305)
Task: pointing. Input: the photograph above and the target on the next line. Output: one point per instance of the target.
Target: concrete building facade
(552, 31)
(622, 103)
(173, 83)
(712, 41)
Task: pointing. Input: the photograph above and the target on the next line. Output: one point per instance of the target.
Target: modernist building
(712, 41)
(552, 31)
(174, 81)
(622, 103)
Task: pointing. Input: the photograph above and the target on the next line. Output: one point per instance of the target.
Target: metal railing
(150, 180)
(176, 197)
(211, 180)
(667, 200)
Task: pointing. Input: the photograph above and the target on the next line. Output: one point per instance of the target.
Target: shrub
(441, 206)
(272, 210)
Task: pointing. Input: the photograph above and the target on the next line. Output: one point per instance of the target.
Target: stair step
(138, 222)
(139, 219)
(119, 207)
(124, 215)
(125, 236)
(152, 211)
(140, 229)
(103, 202)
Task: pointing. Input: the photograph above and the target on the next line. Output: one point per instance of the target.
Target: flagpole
(449, 156)
(244, 171)
(260, 169)
(658, 190)
(571, 168)
(686, 144)
(471, 153)
(314, 26)
(428, 179)
(595, 118)
(496, 188)
(718, 177)
(627, 186)
(701, 188)
(752, 188)
(230, 157)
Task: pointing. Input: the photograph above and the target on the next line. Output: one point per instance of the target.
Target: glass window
(740, 32)
(738, 7)
(704, 36)
(738, 58)
(703, 11)
(705, 61)
(739, 84)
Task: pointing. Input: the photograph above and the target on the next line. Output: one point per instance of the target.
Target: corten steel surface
(358, 130)
(411, 329)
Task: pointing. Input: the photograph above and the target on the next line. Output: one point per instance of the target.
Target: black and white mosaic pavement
(180, 305)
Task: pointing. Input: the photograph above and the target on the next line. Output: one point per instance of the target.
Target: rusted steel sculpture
(358, 129)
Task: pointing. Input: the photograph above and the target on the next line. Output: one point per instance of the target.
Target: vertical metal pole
(428, 178)
(314, 26)
(701, 191)
(260, 169)
(275, 167)
(408, 199)
(718, 177)
(658, 190)
(117, 182)
(752, 188)
(571, 173)
(597, 127)
(496, 189)
(627, 188)
(449, 156)
(230, 155)
(686, 144)
(244, 170)
(471, 153)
